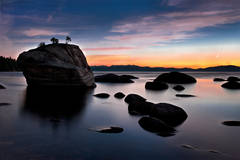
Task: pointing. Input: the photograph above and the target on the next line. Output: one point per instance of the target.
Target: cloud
(108, 49)
(42, 32)
(168, 27)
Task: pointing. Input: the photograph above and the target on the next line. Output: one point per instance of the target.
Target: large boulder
(56, 65)
(168, 113)
(231, 85)
(175, 78)
(156, 86)
(113, 78)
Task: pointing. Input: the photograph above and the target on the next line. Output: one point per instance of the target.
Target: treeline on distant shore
(8, 64)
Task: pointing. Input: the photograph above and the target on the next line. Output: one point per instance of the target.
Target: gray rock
(56, 65)
(175, 78)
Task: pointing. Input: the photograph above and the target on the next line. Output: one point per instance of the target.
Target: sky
(164, 33)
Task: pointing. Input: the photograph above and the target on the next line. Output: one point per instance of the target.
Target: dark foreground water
(30, 128)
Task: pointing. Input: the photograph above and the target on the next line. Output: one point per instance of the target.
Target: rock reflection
(55, 105)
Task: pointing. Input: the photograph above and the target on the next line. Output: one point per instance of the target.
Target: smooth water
(29, 130)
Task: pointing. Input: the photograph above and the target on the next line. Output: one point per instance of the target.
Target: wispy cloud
(109, 49)
(42, 32)
(170, 27)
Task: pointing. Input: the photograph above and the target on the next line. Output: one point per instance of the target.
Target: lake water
(29, 130)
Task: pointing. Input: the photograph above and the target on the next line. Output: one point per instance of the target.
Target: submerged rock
(119, 95)
(218, 79)
(188, 146)
(156, 126)
(232, 78)
(110, 130)
(175, 78)
(168, 113)
(156, 86)
(113, 78)
(178, 88)
(231, 85)
(231, 123)
(56, 65)
(185, 95)
(102, 95)
(4, 104)
(134, 98)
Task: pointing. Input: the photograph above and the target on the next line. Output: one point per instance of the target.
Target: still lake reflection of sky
(28, 129)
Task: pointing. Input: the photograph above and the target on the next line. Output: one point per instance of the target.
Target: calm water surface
(28, 130)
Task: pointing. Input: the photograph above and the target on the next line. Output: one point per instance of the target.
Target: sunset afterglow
(164, 33)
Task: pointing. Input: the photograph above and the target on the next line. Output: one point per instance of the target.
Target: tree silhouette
(54, 40)
(68, 39)
(41, 44)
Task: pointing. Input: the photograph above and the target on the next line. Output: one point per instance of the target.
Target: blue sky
(126, 29)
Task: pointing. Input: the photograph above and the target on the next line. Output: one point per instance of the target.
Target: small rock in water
(214, 151)
(55, 120)
(231, 85)
(156, 86)
(232, 78)
(4, 104)
(102, 95)
(178, 88)
(175, 78)
(110, 130)
(134, 98)
(2, 86)
(185, 95)
(218, 79)
(231, 123)
(188, 146)
(129, 76)
(113, 78)
(119, 95)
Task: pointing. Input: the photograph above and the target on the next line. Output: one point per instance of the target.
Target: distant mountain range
(228, 68)
(9, 64)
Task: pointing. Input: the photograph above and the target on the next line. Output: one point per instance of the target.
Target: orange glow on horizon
(176, 61)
